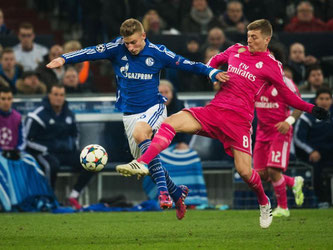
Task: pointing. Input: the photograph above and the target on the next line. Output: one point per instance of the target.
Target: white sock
(74, 194)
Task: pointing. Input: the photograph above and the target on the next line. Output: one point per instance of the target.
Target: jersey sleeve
(172, 60)
(302, 129)
(21, 142)
(220, 59)
(100, 51)
(275, 76)
(33, 126)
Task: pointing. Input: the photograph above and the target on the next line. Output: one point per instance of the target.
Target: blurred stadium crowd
(33, 32)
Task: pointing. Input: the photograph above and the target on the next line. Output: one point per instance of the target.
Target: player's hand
(320, 113)
(222, 76)
(56, 63)
(314, 156)
(283, 127)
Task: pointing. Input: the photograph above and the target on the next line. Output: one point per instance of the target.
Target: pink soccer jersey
(272, 109)
(249, 73)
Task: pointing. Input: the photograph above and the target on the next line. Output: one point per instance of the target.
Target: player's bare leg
(251, 177)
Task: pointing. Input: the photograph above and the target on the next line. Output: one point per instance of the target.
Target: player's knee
(274, 174)
(263, 175)
(140, 136)
(245, 173)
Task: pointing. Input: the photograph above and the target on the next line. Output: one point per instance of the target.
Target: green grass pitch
(233, 229)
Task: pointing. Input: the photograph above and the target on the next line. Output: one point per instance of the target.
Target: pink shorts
(272, 153)
(225, 125)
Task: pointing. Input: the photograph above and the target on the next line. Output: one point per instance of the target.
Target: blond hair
(72, 45)
(263, 25)
(167, 83)
(131, 26)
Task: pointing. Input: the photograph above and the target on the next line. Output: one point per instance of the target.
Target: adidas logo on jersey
(124, 58)
(237, 55)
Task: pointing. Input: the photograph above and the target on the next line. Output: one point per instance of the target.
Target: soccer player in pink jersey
(272, 146)
(229, 115)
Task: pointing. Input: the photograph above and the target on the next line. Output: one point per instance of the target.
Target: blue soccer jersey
(137, 75)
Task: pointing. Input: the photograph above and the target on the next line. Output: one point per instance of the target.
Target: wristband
(290, 120)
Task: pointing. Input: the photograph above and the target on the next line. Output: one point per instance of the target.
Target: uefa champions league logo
(100, 48)
(150, 61)
(5, 136)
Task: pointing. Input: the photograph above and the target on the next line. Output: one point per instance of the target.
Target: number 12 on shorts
(276, 155)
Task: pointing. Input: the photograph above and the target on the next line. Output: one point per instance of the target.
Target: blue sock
(156, 169)
(174, 191)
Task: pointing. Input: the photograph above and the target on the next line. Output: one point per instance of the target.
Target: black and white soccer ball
(93, 157)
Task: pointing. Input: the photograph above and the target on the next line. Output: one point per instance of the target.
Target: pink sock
(255, 184)
(161, 141)
(290, 181)
(281, 192)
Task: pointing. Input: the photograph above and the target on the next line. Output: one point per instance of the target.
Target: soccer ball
(93, 157)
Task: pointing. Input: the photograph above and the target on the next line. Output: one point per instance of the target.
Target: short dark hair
(26, 25)
(312, 68)
(56, 85)
(278, 51)
(263, 25)
(29, 73)
(5, 89)
(323, 90)
(7, 50)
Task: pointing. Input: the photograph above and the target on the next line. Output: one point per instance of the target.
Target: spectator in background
(314, 144)
(52, 139)
(152, 23)
(11, 129)
(83, 68)
(200, 18)
(304, 21)
(30, 84)
(10, 72)
(233, 19)
(192, 49)
(216, 40)
(71, 82)
(314, 79)
(174, 105)
(3, 28)
(329, 25)
(298, 62)
(28, 53)
(189, 82)
(51, 76)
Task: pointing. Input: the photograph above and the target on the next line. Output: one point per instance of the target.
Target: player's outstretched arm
(56, 63)
(320, 113)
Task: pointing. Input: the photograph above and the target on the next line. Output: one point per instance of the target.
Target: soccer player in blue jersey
(137, 63)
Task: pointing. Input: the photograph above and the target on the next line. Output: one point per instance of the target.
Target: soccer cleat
(180, 205)
(279, 212)
(133, 168)
(297, 190)
(74, 203)
(165, 200)
(265, 215)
